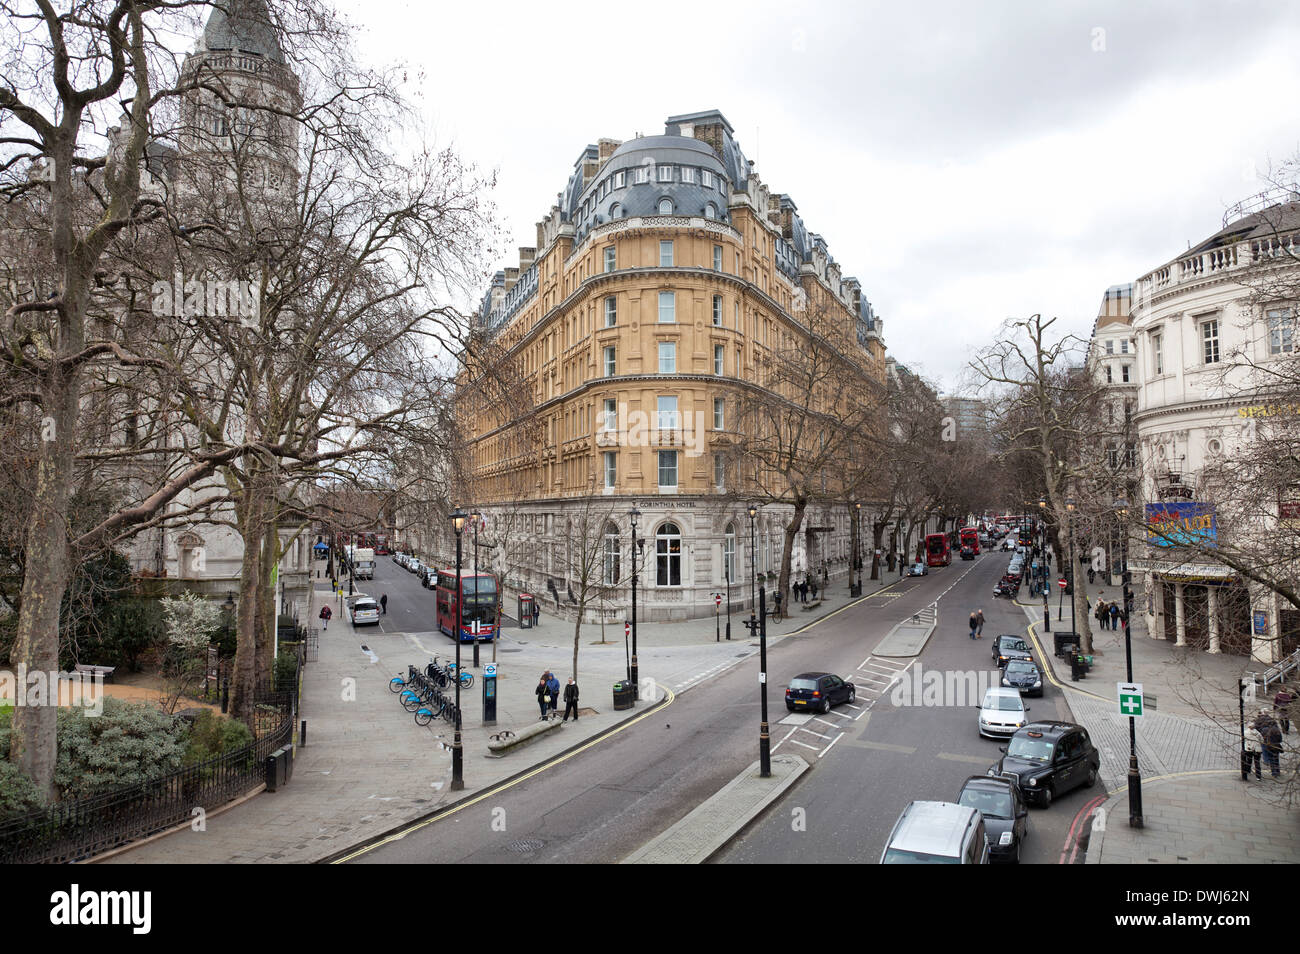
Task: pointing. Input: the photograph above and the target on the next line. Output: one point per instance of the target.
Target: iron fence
(81, 828)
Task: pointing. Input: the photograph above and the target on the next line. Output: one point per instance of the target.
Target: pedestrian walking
(979, 618)
(1092, 575)
(813, 585)
(537, 615)
(1250, 755)
(1100, 612)
(383, 603)
(553, 686)
(1272, 733)
(974, 624)
(571, 700)
(325, 614)
(1114, 615)
(543, 693)
(1282, 706)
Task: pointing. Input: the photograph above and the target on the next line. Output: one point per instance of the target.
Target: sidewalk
(1195, 806)
(367, 768)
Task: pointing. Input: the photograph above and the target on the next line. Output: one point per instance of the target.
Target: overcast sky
(968, 162)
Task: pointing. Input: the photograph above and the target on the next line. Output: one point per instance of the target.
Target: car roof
(986, 782)
(1049, 730)
(1002, 691)
(364, 599)
(935, 828)
(811, 675)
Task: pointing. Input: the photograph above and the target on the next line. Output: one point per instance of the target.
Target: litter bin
(526, 601)
(1061, 639)
(624, 695)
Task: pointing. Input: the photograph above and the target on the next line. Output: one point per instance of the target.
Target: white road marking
(828, 748)
(797, 742)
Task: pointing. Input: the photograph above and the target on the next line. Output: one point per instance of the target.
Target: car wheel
(853, 694)
(1091, 780)
(1047, 797)
(826, 706)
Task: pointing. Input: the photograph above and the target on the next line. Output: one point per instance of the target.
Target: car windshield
(1021, 669)
(1003, 703)
(1014, 644)
(897, 856)
(1030, 749)
(989, 804)
(366, 605)
(803, 683)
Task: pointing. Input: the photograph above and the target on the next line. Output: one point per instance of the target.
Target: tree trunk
(791, 531)
(877, 543)
(244, 676)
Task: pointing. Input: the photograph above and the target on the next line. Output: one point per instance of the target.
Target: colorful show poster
(1185, 523)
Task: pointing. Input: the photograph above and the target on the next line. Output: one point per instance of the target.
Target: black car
(968, 553)
(1022, 674)
(1008, 646)
(819, 691)
(1006, 819)
(1047, 759)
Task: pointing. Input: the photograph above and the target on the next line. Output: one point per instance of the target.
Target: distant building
(971, 415)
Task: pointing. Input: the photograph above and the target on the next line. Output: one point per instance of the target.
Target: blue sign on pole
(1181, 524)
(1261, 622)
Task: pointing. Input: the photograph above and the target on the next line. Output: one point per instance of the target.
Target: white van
(937, 833)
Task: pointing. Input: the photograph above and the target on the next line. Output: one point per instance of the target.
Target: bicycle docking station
(490, 694)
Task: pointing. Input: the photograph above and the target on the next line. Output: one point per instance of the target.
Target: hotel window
(665, 206)
(717, 311)
(668, 539)
(615, 212)
(612, 548)
(720, 477)
(1281, 331)
(719, 407)
(706, 178)
(641, 175)
(710, 212)
(1110, 413)
(1157, 353)
(667, 308)
(1110, 347)
(611, 311)
(611, 259)
(1110, 378)
(1123, 373)
(717, 258)
(1123, 346)
(737, 316)
(611, 414)
(609, 362)
(717, 359)
(665, 173)
(665, 254)
(620, 180)
(668, 357)
(729, 552)
(1210, 341)
(688, 175)
(667, 406)
(611, 468)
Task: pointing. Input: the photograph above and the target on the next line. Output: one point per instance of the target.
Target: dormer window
(620, 180)
(706, 178)
(710, 211)
(641, 175)
(688, 175)
(665, 173)
(665, 206)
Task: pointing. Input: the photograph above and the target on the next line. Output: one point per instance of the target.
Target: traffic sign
(1130, 698)
(490, 669)
(1062, 583)
(717, 599)
(627, 629)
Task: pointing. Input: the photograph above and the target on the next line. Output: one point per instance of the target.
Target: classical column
(1213, 597)
(1180, 617)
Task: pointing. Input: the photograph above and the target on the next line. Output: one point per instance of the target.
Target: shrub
(129, 743)
(286, 671)
(18, 793)
(211, 736)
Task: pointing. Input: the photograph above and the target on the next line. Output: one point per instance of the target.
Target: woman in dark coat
(543, 696)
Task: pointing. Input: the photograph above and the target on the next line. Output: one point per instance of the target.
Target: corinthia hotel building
(660, 279)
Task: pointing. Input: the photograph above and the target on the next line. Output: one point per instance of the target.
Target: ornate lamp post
(633, 670)
(1134, 776)
(476, 517)
(458, 518)
(1047, 607)
(752, 510)
(1069, 567)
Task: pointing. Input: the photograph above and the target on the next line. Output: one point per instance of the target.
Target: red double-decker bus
(970, 537)
(938, 551)
(480, 601)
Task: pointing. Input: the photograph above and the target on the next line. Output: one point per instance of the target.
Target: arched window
(615, 211)
(668, 555)
(710, 212)
(665, 206)
(729, 552)
(611, 555)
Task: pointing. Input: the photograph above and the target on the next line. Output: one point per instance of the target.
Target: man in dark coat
(571, 700)
(553, 686)
(383, 603)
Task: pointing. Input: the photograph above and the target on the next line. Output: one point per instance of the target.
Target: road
(608, 799)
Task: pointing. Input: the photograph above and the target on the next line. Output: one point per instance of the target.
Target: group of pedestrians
(548, 696)
(1264, 739)
(800, 590)
(1109, 615)
(977, 624)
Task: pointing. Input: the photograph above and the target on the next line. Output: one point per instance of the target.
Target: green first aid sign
(1130, 699)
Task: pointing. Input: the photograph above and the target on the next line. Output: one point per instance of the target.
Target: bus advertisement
(480, 600)
(970, 537)
(938, 551)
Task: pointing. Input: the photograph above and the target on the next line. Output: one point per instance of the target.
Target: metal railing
(1278, 671)
(80, 828)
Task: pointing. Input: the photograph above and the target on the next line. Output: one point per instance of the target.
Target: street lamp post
(1069, 575)
(458, 518)
(764, 736)
(726, 569)
(633, 671)
(752, 510)
(1134, 776)
(1047, 607)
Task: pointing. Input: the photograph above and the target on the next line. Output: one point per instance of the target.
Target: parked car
(1006, 818)
(364, 610)
(918, 569)
(1024, 676)
(819, 691)
(968, 553)
(937, 833)
(1001, 713)
(414, 565)
(429, 578)
(1048, 759)
(1010, 646)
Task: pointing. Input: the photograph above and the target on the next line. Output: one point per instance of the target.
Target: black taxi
(1047, 759)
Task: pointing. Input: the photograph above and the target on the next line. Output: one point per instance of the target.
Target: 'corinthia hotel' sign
(1181, 524)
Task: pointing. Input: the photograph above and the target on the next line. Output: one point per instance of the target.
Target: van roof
(934, 828)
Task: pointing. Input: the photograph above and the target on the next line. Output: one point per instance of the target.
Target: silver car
(1002, 713)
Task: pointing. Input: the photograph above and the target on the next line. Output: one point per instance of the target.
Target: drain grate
(525, 846)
